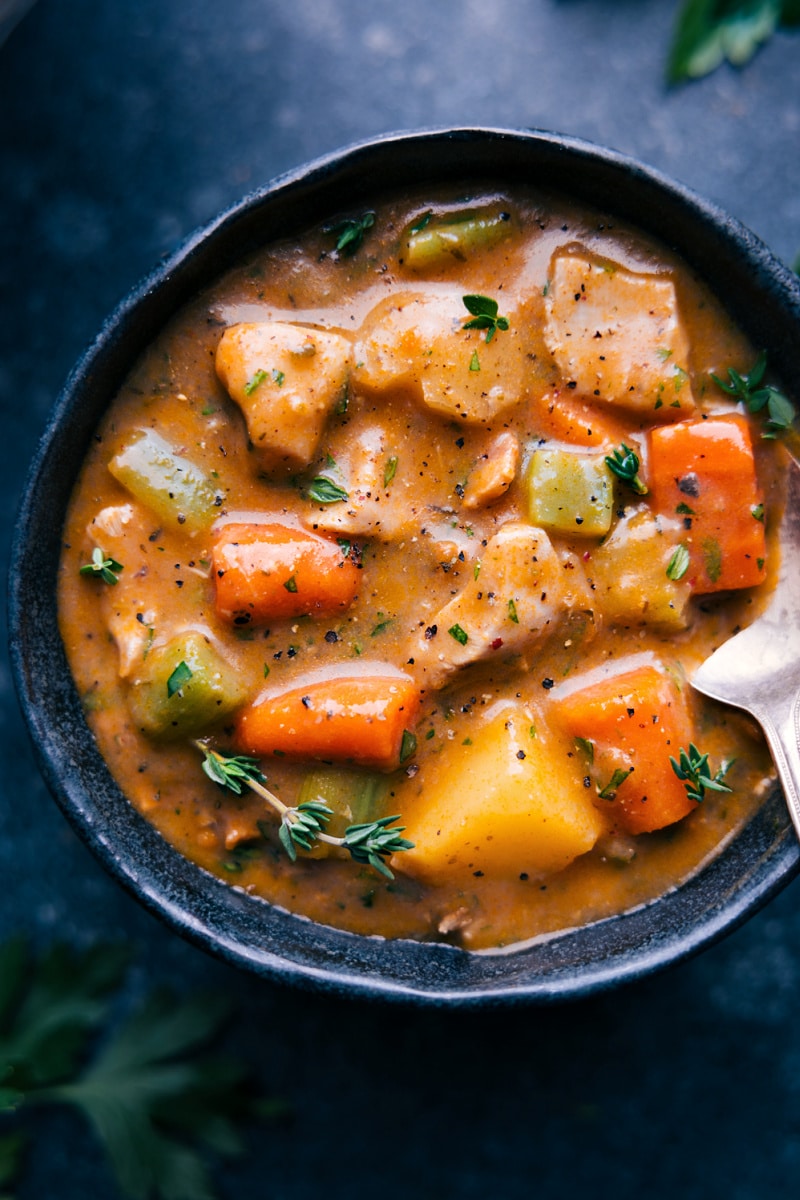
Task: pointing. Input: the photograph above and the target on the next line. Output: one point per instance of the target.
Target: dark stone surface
(124, 125)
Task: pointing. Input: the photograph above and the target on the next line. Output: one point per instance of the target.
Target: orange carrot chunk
(627, 726)
(357, 713)
(263, 572)
(704, 472)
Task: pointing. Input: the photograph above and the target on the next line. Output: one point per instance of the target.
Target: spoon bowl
(758, 669)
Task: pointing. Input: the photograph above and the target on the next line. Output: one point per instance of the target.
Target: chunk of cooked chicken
(371, 508)
(520, 593)
(286, 379)
(121, 532)
(617, 335)
(125, 532)
(494, 471)
(416, 341)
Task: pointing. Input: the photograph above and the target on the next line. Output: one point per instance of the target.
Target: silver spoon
(759, 669)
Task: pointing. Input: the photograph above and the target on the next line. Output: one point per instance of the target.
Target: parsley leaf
(152, 1094)
(707, 32)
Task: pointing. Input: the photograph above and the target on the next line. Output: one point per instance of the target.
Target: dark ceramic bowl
(762, 296)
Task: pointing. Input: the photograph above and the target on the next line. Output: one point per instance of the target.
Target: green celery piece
(355, 796)
(210, 693)
(171, 486)
(570, 492)
(456, 236)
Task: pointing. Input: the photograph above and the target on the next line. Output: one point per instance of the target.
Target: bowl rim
(244, 930)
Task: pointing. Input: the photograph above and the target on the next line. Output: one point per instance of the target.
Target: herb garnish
(383, 624)
(678, 564)
(154, 1097)
(484, 316)
(181, 675)
(624, 463)
(350, 232)
(586, 746)
(609, 792)
(408, 746)
(326, 491)
(777, 410)
(709, 31)
(370, 843)
(255, 382)
(103, 566)
(459, 634)
(695, 773)
(390, 470)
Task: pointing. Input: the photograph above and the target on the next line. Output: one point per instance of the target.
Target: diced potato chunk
(617, 335)
(286, 379)
(521, 591)
(569, 492)
(417, 342)
(629, 572)
(511, 802)
(184, 688)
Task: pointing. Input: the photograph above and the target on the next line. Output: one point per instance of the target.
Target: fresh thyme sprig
(624, 463)
(350, 232)
(233, 771)
(484, 315)
(102, 565)
(304, 824)
(694, 772)
(778, 410)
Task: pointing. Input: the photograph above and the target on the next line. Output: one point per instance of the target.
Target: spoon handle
(782, 730)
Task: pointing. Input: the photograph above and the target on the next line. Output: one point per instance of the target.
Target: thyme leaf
(484, 316)
(326, 491)
(102, 566)
(303, 825)
(350, 232)
(693, 770)
(624, 463)
(678, 564)
(778, 411)
(181, 675)
(609, 792)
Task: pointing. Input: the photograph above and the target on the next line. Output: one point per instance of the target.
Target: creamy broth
(447, 454)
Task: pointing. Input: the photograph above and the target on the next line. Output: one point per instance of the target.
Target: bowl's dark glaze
(762, 295)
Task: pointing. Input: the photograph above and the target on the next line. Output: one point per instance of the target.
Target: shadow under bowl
(761, 295)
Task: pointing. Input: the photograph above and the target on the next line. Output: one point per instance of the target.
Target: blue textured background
(123, 126)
